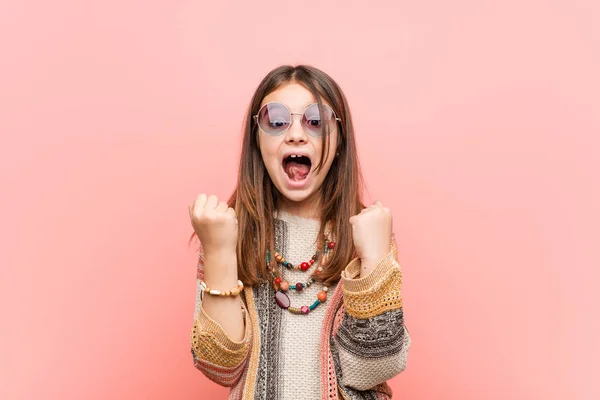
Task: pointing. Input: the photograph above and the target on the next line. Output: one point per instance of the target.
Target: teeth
(295, 156)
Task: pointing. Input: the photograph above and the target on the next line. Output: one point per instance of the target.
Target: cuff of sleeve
(208, 325)
(376, 293)
(353, 284)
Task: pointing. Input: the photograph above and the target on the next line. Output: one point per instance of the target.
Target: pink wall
(477, 124)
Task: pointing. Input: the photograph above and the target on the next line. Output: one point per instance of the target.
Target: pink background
(477, 125)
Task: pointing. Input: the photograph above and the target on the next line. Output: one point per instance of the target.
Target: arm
(372, 339)
(221, 332)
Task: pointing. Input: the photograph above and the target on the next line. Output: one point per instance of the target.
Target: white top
(300, 341)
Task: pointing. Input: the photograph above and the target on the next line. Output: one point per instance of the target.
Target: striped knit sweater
(348, 347)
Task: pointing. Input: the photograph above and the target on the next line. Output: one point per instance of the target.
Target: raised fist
(215, 223)
(372, 232)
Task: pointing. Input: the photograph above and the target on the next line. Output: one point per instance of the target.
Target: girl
(298, 285)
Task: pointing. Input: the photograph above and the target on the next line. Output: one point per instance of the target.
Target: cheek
(268, 149)
(330, 151)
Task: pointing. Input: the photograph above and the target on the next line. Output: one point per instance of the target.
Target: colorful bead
(302, 266)
(322, 296)
(282, 300)
(310, 281)
(281, 285)
(314, 305)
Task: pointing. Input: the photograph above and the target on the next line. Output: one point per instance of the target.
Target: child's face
(295, 178)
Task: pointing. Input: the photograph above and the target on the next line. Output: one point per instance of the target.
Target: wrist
(371, 259)
(368, 263)
(366, 266)
(220, 268)
(219, 253)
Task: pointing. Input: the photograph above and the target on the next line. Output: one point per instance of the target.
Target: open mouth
(297, 167)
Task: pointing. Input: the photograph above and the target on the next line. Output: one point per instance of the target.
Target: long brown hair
(255, 198)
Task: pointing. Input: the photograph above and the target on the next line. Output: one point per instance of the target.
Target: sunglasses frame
(255, 117)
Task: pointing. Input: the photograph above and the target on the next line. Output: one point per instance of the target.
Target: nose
(296, 133)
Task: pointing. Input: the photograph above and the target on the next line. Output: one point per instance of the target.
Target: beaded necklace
(282, 286)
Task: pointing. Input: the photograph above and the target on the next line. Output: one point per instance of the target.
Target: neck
(308, 208)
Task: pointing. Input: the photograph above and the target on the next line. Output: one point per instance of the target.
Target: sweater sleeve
(220, 358)
(372, 339)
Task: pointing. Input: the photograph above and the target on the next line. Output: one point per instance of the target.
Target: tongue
(296, 171)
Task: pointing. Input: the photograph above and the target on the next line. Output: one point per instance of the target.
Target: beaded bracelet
(232, 293)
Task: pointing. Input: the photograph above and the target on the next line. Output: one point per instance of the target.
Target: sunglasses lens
(274, 118)
(317, 123)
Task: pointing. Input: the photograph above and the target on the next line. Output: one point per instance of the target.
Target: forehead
(293, 95)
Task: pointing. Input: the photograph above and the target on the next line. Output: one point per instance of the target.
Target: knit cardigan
(363, 341)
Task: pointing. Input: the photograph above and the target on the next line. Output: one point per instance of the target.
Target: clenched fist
(372, 233)
(215, 223)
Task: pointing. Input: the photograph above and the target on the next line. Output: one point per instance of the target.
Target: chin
(295, 196)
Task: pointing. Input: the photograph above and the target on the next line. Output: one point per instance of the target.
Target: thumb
(352, 220)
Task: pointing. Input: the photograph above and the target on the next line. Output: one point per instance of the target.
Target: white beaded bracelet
(213, 292)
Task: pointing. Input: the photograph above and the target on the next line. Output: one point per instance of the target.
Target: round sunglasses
(275, 118)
